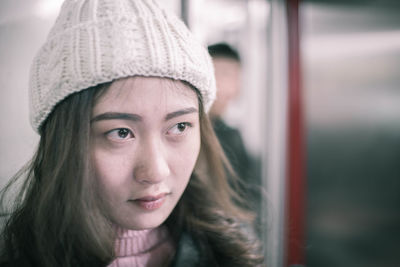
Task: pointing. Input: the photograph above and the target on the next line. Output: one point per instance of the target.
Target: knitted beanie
(98, 41)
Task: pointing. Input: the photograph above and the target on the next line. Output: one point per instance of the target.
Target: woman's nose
(152, 167)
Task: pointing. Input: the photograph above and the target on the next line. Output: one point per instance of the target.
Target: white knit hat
(98, 41)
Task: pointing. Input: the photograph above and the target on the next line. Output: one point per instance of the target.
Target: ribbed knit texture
(150, 248)
(98, 41)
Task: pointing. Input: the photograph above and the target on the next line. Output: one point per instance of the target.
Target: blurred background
(351, 67)
(349, 55)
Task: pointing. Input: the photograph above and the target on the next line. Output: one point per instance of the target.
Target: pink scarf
(153, 247)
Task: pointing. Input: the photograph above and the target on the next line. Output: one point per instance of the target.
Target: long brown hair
(56, 221)
(213, 211)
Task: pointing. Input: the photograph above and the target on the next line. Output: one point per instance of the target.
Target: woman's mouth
(150, 202)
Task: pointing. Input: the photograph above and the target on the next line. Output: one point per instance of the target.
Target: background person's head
(227, 67)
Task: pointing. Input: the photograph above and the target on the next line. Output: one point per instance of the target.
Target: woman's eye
(179, 128)
(120, 134)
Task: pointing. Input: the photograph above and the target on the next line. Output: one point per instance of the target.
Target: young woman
(128, 171)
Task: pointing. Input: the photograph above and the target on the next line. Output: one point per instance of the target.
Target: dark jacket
(247, 167)
(188, 254)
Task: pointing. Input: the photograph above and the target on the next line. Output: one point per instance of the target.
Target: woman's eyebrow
(180, 113)
(116, 116)
(135, 117)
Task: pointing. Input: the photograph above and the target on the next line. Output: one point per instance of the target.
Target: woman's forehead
(140, 92)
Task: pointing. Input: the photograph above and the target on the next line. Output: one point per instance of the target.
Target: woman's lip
(150, 202)
(151, 198)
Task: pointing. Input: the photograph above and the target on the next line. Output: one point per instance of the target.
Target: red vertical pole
(296, 158)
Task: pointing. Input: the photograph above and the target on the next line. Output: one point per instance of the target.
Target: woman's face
(145, 143)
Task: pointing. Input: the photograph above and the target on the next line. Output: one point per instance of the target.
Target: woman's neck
(152, 247)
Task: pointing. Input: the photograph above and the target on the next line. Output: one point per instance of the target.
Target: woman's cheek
(187, 152)
(111, 168)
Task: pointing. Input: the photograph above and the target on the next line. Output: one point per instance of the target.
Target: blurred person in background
(227, 66)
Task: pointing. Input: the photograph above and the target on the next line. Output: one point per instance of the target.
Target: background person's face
(145, 143)
(227, 75)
